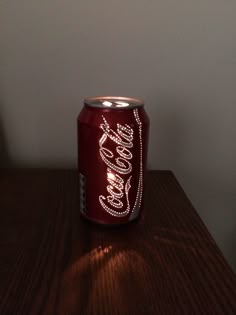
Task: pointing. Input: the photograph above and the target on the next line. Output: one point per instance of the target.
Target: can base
(104, 224)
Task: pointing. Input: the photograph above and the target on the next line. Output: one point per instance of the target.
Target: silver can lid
(113, 102)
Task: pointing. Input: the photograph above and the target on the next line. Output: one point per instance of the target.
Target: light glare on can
(106, 103)
(111, 176)
(122, 104)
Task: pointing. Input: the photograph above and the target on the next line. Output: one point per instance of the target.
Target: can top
(113, 102)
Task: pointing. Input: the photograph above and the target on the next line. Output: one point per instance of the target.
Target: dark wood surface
(54, 262)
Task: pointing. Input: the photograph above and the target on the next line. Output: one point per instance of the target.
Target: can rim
(113, 102)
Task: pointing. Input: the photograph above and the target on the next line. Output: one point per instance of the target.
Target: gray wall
(180, 56)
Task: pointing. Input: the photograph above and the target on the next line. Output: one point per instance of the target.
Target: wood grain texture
(54, 262)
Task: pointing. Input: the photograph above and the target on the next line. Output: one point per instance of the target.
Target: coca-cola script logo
(119, 163)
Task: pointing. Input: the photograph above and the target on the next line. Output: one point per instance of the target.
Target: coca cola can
(112, 153)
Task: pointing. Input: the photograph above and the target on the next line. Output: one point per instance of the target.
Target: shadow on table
(233, 252)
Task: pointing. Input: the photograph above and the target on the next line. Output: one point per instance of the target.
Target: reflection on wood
(53, 262)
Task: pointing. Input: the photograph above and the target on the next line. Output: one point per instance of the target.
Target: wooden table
(54, 262)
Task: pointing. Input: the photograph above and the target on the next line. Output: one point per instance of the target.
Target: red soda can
(112, 153)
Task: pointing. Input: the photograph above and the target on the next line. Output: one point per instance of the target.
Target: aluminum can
(112, 154)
